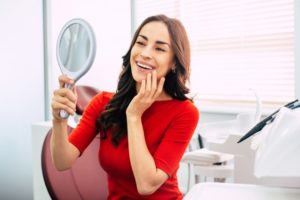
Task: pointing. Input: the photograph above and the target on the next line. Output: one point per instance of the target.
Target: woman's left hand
(147, 94)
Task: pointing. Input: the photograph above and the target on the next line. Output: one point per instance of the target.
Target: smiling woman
(140, 124)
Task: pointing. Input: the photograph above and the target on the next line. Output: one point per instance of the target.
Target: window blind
(235, 45)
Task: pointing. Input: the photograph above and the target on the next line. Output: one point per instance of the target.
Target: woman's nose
(146, 52)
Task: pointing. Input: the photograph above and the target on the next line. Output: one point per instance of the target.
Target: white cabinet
(39, 131)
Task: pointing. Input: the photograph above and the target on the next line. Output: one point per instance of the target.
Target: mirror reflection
(74, 47)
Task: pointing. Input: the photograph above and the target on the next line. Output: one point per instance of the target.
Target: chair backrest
(84, 93)
(86, 179)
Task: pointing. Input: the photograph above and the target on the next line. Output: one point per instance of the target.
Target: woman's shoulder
(102, 98)
(184, 104)
(188, 106)
(178, 107)
(182, 112)
(103, 95)
(106, 94)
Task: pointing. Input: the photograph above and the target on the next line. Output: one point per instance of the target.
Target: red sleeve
(85, 131)
(176, 139)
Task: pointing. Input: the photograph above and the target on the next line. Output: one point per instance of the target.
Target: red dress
(168, 127)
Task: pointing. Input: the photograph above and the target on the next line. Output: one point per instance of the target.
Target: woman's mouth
(144, 66)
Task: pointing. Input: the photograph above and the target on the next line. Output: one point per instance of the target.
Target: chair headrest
(85, 94)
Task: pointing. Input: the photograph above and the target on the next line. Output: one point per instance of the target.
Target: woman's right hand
(63, 98)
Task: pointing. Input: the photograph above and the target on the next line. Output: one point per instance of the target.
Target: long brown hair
(114, 115)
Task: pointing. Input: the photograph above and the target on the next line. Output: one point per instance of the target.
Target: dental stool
(205, 163)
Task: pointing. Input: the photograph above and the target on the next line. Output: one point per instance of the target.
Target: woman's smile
(144, 68)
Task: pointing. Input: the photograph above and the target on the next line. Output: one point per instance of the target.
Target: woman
(146, 125)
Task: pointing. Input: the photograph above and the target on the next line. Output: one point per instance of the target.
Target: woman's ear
(173, 67)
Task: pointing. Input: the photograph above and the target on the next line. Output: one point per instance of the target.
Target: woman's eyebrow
(157, 41)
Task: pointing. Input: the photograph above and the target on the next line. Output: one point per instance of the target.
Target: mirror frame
(87, 65)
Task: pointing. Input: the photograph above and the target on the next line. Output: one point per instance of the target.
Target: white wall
(22, 81)
(111, 22)
(22, 93)
(297, 47)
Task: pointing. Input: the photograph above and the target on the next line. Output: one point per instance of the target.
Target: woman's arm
(63, 153)
(147, 176)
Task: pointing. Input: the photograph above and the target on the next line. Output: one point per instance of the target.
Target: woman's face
(152, 51)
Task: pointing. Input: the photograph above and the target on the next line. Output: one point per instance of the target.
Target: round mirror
(75, 50)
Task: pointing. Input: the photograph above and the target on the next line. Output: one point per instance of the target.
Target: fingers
(142, 90)
(75, 92)
(148, 92)
(62, 103)
(153, 83)
(63, 79)
(64, 98)
(149, 88)
(65, 92)
(160, 87)
(148, 84)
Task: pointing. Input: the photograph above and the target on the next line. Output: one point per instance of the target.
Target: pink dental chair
(86, 179)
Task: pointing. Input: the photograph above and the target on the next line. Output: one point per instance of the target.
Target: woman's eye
(160, 49)
(140, 43)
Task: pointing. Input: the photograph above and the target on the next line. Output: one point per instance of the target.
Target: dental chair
(86, 179)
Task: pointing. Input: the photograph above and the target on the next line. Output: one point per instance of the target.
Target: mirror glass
(76, 48)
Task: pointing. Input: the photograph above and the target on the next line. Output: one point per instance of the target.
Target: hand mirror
(75, 51)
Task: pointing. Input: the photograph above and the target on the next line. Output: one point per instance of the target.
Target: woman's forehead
(156, 31)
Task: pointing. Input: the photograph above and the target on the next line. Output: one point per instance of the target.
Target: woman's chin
(139, 78)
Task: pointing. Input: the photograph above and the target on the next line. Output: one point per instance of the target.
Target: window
(235, 45)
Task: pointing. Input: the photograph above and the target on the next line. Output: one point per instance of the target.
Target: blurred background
(236, 46)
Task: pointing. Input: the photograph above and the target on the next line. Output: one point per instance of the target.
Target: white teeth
(144, 66)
